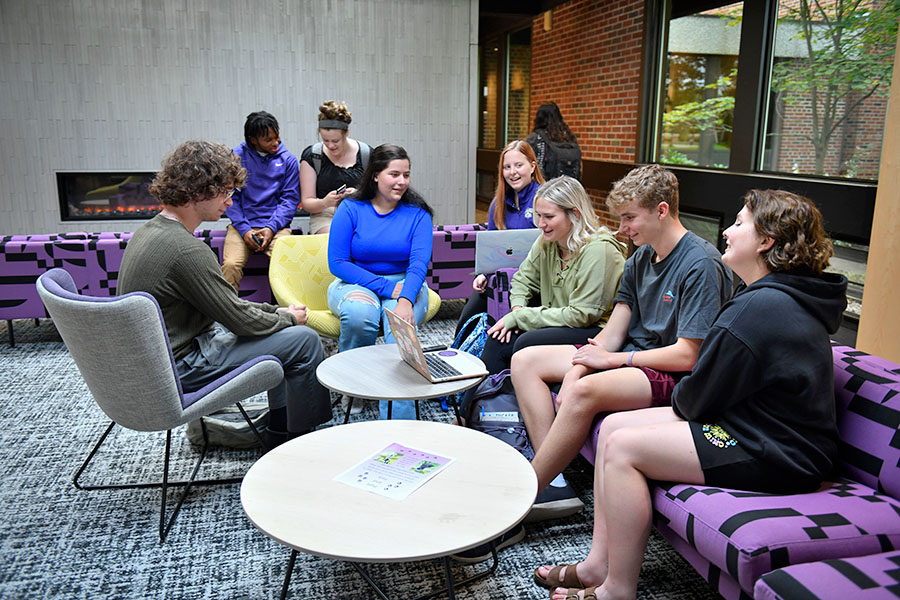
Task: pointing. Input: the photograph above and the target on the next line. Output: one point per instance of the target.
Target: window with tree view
(831, 78)
(702, 58)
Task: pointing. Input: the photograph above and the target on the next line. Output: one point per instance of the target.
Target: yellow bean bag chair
(298, 274)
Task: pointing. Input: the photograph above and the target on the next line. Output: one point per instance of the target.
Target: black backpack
(364, 151)
(494, 410)
(563, 158)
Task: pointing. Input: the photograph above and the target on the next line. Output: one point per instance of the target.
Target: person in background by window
(326, 166)
(555, 146)
(512, 208)
(263, 209)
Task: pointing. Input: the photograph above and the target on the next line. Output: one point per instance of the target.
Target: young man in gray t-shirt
(669, 295)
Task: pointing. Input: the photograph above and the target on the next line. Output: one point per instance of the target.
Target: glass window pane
(830, 84)
(700, 83)
(488, 102)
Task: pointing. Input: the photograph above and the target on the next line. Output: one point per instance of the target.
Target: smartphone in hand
(256, 239)
(341, 189)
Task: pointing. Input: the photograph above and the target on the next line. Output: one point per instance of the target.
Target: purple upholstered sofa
(93, 260)
(841, 541)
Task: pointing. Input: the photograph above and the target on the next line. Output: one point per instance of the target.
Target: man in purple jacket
(263, 209)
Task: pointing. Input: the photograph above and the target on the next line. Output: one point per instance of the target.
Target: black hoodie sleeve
(727, 372)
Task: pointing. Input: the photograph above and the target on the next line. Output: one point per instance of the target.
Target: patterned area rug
(59, 542)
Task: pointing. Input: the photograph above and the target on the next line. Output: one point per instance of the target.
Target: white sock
(558, 481)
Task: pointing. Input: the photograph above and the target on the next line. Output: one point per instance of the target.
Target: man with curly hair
(210, 329)
(263, 208)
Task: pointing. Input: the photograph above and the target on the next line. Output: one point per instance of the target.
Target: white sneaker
(358, 404)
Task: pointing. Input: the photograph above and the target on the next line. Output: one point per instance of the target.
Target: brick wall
(520, 117)
(854, 150)
(589, 63)
(489, 63)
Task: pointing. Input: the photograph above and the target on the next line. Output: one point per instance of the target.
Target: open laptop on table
(502, 248)
(437, 366)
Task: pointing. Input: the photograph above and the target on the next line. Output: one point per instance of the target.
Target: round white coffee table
(290, 495)
(379, 373)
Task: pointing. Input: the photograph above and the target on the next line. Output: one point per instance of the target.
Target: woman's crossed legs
(633, 446)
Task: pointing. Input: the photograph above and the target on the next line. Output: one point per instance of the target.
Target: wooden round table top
(290, 494)
(379, 373)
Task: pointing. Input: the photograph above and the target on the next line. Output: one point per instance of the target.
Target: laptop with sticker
(502, 248)
(438, 366)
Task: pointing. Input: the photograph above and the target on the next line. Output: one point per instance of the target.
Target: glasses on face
(229, 193)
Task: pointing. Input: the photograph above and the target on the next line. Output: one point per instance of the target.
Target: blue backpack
(471, 338)
(472, 335)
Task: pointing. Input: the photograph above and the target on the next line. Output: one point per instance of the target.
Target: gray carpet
(59, 542)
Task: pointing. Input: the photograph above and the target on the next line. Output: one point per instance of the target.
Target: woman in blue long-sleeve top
(379, 247)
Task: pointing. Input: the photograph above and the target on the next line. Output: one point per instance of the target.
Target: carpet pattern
(59, 542)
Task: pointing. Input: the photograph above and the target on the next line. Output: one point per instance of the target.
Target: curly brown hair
(648, 185)
(794, 222)
(334, 111)
(197, 171)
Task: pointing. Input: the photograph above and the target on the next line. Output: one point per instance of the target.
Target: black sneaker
(483, 552)
(554, 503)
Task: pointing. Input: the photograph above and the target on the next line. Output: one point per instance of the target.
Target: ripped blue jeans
(361, 314)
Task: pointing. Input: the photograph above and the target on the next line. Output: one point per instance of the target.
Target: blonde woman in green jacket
(573, 269)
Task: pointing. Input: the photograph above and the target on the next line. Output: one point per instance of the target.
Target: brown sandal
(589, 593)
(552, 580)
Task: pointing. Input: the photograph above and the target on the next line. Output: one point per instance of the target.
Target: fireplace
(101, 196)
(110, 196)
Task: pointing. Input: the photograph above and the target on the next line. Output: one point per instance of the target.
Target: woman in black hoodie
(756, 413)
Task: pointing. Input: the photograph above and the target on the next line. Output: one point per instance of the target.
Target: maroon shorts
(661, 385)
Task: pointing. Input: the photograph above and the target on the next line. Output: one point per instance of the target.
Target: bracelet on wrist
(630, 358)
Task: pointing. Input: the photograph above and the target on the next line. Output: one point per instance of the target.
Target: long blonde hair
(569, 195)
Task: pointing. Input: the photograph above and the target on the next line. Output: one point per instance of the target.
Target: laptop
(438, 366)
(502, 248)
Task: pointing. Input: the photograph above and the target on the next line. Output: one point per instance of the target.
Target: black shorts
(727, 464)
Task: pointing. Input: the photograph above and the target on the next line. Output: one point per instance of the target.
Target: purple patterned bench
(498, 293)
(93, 260)
(861, 578)
(452, 268)
(732, 538)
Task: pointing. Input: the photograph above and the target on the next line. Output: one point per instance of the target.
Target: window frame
(847, 204)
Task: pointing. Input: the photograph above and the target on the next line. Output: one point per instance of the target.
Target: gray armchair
(122, 350)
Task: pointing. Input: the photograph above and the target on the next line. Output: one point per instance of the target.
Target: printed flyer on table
(396, 471)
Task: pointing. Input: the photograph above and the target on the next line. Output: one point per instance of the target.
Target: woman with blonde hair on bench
(756, 413)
